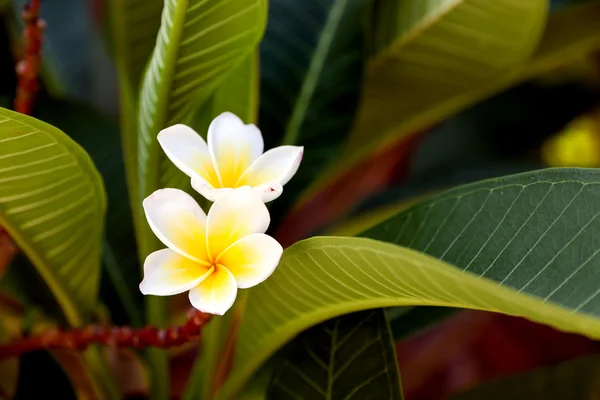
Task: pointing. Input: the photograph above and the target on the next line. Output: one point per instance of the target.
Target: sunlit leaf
(577, 379)
(99, 135)
(349, 357)
(52, 202)
(523, 245)
(199, 43)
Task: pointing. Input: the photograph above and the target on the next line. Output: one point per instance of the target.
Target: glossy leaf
(134, 25)
(527, 243)
(239, 92)
(534, 232)
(199, 43)
(349, 357)
(312, 60)
(52, 202)
(577, 379)
(569, 34)
(99, 135)
(324, 277)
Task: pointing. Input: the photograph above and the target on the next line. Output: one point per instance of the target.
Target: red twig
(28, 68)
(80, 339)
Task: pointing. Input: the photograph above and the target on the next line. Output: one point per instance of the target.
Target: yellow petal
(167, 273)
(236, 214)
(178, 221)
(277, 165)
(189, 152)
(216, 294)
(251, 259)
(233, 147)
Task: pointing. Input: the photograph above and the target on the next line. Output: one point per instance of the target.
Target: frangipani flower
(233, 158)
(211, 256)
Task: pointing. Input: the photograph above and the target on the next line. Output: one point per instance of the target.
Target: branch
(80, 339)
(28, 68)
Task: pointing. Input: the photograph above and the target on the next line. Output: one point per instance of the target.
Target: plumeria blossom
(210, 255)
(232, 158)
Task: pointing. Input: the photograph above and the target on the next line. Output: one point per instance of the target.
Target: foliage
(352, 81)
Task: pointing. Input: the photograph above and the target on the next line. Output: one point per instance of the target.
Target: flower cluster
(212, 255)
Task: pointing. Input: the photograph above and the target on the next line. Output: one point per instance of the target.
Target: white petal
(268, 191)
(208, 191)
(216, 294)
(276, 165)
(167, 273)
(236, 214)
(189, 152)
(233, 147)
(251, 259)
(178, 221)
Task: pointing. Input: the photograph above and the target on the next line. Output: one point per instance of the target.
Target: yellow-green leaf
(569, 34)
(324, 277)
(52, 202)
(199, 43)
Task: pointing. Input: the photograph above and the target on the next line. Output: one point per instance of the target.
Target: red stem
(80, 339)
(28, 68)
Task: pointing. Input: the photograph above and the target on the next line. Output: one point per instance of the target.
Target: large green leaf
(534, 232)
(324, 277)
(527, 243)
(312, 60)
(569, 34)
(577, 379)
(133, 27)
(199, 43)
(349, 357)
(99, 135)
(52, 202)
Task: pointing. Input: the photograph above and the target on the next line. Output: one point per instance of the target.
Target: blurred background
(553, 120)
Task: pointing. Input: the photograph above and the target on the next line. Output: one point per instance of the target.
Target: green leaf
(534, 232)
(325, 277)
(134, 25)
(52, 202)
(527, 243)
(312, 60)
(239, 92)
(577, 379)
(428, 98)
(99, 135)
(199, 43)
(349, 357)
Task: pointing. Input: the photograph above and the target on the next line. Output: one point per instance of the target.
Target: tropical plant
(390, 205)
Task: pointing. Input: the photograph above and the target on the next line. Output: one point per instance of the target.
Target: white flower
(233, 158)
(211, 256)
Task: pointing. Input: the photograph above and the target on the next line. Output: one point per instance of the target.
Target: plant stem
(80, 339)
(29, 67)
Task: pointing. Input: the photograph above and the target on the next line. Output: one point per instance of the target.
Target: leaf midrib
(313, 73)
